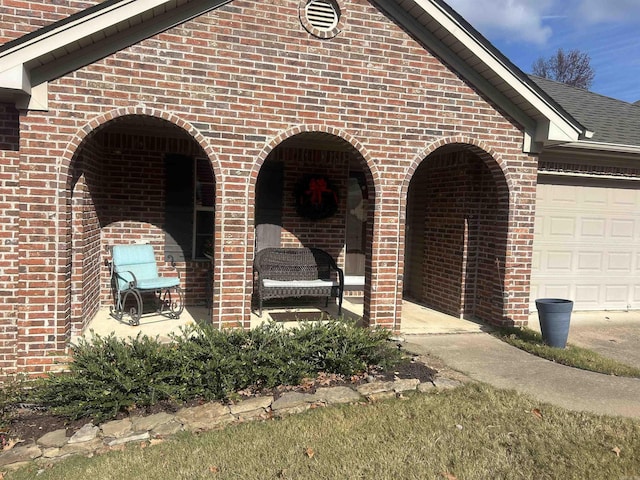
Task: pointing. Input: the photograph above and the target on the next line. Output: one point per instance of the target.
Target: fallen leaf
(309, 452)
(537, 413)
(214, 469)
(12, 442)
(616, 450)
(449, 476)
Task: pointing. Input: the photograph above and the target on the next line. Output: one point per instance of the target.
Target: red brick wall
(458, 228)
(9, 248)
(87, 253)
(328, 233)
(240, 85)
(130, 205)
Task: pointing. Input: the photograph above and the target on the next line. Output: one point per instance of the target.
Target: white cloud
(521, 20)
(599, 11)
(535, 21)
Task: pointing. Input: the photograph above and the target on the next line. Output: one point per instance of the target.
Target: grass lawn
(531, 341)
(472, 432)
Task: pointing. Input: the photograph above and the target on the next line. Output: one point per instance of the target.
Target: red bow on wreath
(315, 197)
(318, 186)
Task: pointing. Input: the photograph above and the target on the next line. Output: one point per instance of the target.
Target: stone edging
(96, 439)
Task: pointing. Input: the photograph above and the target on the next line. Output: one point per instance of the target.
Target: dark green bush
(109, 375)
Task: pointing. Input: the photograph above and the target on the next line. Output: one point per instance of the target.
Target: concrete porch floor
(416, 319)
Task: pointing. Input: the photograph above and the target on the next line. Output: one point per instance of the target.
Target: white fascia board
(70, 32)
(601, 147)
(558, 129)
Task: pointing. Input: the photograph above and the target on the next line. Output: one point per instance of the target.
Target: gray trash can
(554, 315)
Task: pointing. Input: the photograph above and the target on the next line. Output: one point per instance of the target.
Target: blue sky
(607, 30)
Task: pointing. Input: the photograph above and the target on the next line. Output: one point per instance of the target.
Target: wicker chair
(297, 272)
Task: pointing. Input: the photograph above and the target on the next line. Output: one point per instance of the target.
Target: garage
(587, 242)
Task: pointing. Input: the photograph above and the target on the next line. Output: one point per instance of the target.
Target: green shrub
(109, 375)
(14, 390)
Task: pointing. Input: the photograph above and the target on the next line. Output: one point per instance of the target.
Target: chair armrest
(132, 283)
(172, 262)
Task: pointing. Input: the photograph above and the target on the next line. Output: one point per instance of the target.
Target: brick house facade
(445, 143)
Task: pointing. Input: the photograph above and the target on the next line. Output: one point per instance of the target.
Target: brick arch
(67, 177)
(373, 175)
(103, 120)
(471, 263)
(297, 130)
(277, 140)
(489, 156)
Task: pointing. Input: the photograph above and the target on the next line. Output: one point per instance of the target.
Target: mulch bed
(29, 424)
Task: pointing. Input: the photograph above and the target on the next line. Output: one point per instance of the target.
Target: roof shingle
(613, 121)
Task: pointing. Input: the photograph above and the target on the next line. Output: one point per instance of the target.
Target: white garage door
(587, 245)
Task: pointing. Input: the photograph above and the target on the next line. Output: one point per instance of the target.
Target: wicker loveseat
(297, 272)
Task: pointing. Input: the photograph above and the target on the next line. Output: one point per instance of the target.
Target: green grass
(472, 432)
(578, 357)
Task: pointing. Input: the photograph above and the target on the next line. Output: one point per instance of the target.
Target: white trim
(552, 173)
(73, 31)
(602, 147)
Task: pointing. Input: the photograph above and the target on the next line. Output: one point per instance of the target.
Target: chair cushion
(299, 283)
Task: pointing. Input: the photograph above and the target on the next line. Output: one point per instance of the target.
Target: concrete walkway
(487, 359)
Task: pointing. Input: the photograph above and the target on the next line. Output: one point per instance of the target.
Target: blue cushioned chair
(134, 272)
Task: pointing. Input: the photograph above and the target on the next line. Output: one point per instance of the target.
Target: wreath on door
(316, 198)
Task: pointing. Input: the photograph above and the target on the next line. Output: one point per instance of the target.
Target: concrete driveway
(484, 358)
(612, 334)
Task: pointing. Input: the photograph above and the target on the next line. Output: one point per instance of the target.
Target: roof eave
(26, 62)
(601, 147)
(552, 124)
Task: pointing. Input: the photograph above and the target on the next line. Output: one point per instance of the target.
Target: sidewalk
(487, 359)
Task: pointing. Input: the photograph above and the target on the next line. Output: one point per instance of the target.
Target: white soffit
(89, 28)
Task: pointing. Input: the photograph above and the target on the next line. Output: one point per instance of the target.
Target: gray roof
(612, 121)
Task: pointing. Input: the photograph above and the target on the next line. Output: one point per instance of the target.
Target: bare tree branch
(573, 68)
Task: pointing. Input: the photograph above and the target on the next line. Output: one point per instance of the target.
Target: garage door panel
(589, 262)
(595, 198)
(617, 294)
(593, 227)
(587, 246)
(559, 261)
(567, 197)
(620, 262)
(589, 295)
(622, 229)
(562, 226)
(624, 197)
(555, 290)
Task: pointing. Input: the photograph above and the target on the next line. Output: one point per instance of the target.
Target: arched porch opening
(139, 179)
(345, 232)
(456, 234)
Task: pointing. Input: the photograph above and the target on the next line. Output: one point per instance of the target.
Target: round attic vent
(322, 14)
